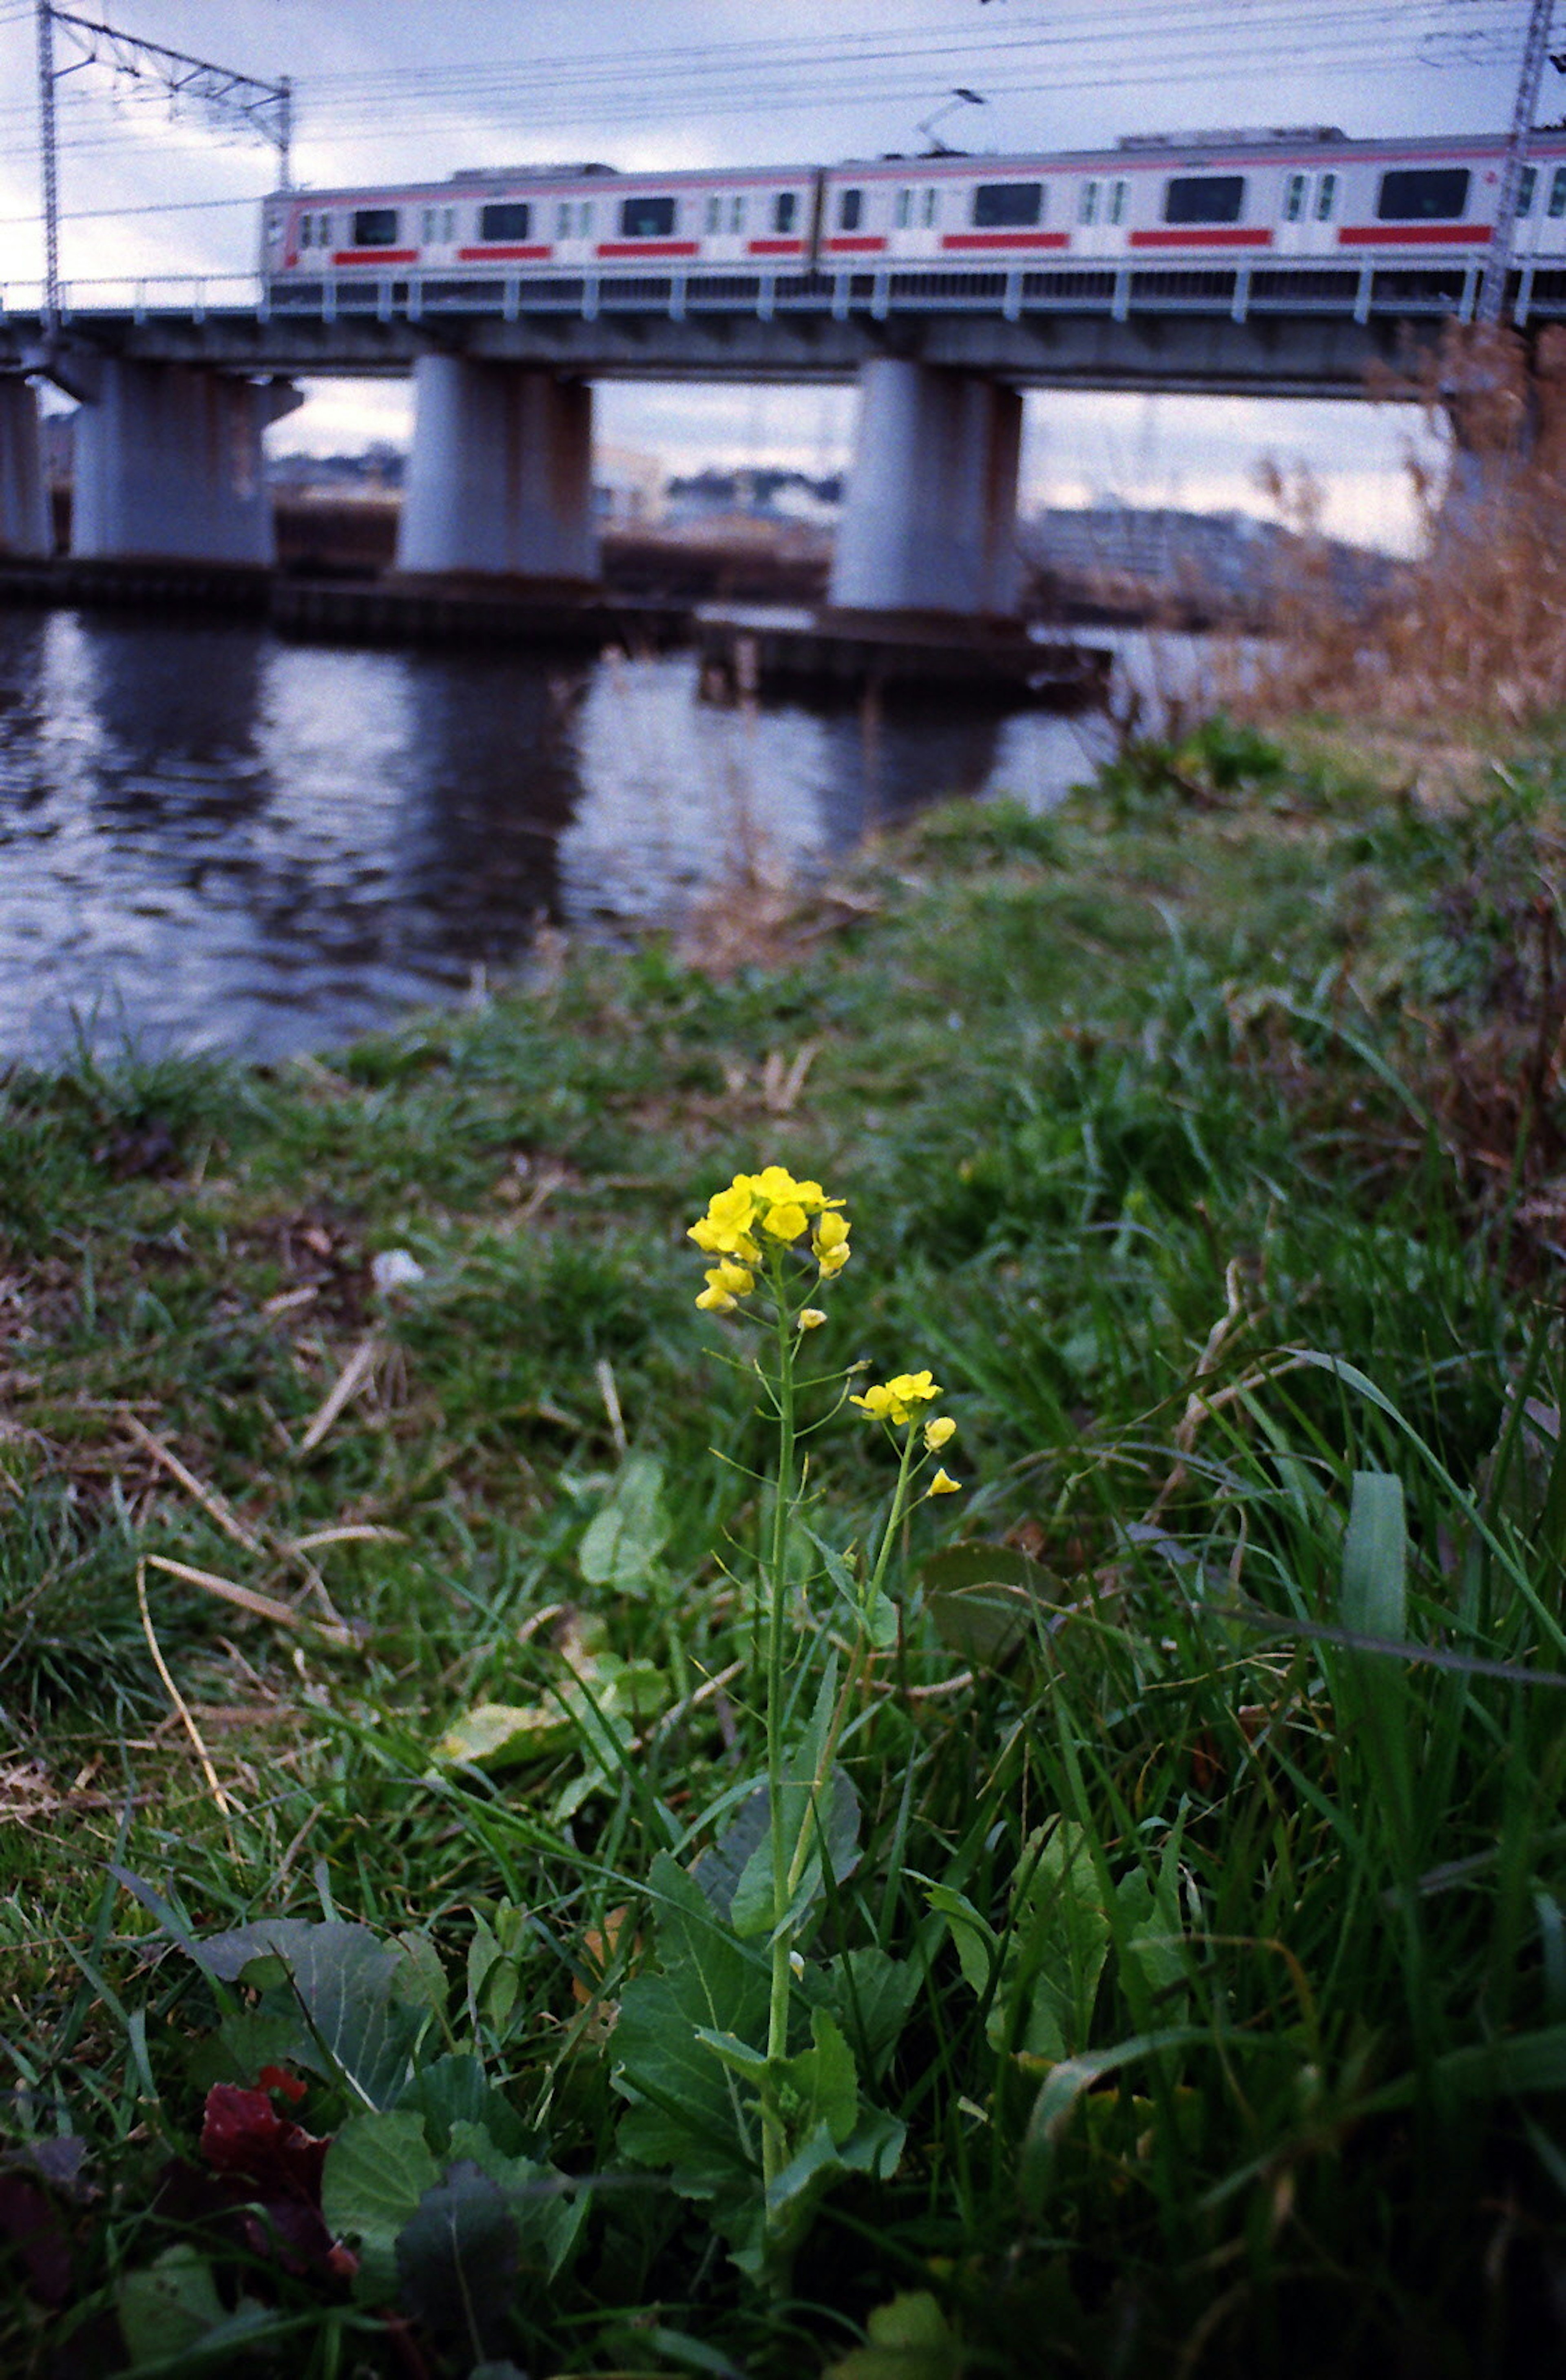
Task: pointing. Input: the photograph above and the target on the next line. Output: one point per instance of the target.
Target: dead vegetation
(1476, 627)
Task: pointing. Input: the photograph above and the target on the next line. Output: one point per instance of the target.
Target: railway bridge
(177, 381)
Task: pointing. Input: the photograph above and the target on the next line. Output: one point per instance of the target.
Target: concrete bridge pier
(169, 462)
(929, 524)
(500, 477)
(25, 529)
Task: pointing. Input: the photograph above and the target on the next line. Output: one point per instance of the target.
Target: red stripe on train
(648, 248)
(971, 239)
(1230, 236)
(496, 255)
(774, 248)
(1413, 235)
(375, 256)
(867, 245)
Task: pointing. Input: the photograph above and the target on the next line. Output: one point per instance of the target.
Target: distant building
(1122, 555)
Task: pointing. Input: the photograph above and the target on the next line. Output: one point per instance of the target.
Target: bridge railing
(1350, 287)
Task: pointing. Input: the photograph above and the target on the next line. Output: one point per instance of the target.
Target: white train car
(1300, 200)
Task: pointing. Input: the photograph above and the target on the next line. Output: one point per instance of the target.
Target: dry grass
(1475, 628)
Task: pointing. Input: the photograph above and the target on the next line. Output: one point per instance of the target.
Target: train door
(1101, 210)
(1309, 206)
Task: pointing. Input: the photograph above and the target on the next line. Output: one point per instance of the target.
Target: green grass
(1200, 1139)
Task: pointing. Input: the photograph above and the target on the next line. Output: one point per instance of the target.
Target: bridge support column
(500, 477)
(169, 462)
(24, 499)
(929, 524)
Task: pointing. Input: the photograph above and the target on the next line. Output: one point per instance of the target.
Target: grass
(1206, 1929)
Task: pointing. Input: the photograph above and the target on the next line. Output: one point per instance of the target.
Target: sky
(389, 89)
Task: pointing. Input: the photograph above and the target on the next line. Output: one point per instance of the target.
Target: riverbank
(1179, 1964)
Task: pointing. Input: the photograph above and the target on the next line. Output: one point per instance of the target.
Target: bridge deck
(1244, 328)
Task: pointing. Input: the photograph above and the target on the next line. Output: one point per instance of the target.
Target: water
(213, 839)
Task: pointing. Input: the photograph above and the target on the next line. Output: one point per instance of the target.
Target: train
(1300, 199)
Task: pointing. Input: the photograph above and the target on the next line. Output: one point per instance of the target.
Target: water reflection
(211, 838)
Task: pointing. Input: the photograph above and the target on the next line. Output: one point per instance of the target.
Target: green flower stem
(774, 2144)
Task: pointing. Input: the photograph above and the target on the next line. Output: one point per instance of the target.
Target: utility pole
(1492, 288)
(49, 156)
(264, 107)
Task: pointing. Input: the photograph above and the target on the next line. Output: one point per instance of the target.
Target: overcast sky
(418, 89)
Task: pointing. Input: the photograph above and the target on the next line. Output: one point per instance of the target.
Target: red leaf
(274, 2078)
(243, 2134)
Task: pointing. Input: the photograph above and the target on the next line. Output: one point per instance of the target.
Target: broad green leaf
(547, 2208)
(456, 2258)
(1373, 1600)
(1055, 1946)
(909, 2339)
(872, 1995)
(501, 1735)
(377, 2169)
(621, 1545)
(1151, 1935)
(169, 2307)
(818, 2085)
(1064, 2085)
(357, 2002)
(984, 1599)
(688, 2112)
(830, 1819)
(979, 1946)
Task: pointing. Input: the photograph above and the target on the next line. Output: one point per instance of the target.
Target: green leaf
(984, 1599)
(594, 1713)
(977, 1944)
(909, 2339)
(1055, 1946)
(821, 2083)
(688, 2112)
(621, 1545)
(456, 2259)
(548, 2209)
(377, 2169)
(831, 1817)
(872, 1995)
(357, 2002)
(1064, 2086)
(501, 1735)
(169, 2307)
(1373, 1598)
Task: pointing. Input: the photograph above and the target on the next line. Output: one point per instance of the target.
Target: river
(213, 839)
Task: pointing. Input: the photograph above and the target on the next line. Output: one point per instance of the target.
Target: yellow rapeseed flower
(828, 1244)
(896, 1400)
(769, 1205)
(811, 1318)
(943, 1485)
(939, 1433)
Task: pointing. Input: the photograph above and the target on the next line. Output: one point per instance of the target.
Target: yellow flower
(943, 1485)
(811, 1318)
(715, 1300)
(828, 1244)
(939, 1433)
(773, 1204)
(894, 1400)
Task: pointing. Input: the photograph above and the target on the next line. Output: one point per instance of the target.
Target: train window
(714, 220)
(1525, 189)
(929, 207)
(1558, 193)
(903, 213)
(646, 218)
(736, 214)
(1423, 194)
(1087, 204)
(426, 225)
(785, 206)
(506, 219)
(1327, 197)
(1204, 199)
(1004, 205)
(375, 228)
(1117, 202)
(1293, 198)
(850, 210)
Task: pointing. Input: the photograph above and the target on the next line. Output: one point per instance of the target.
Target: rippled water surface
(211, 838)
